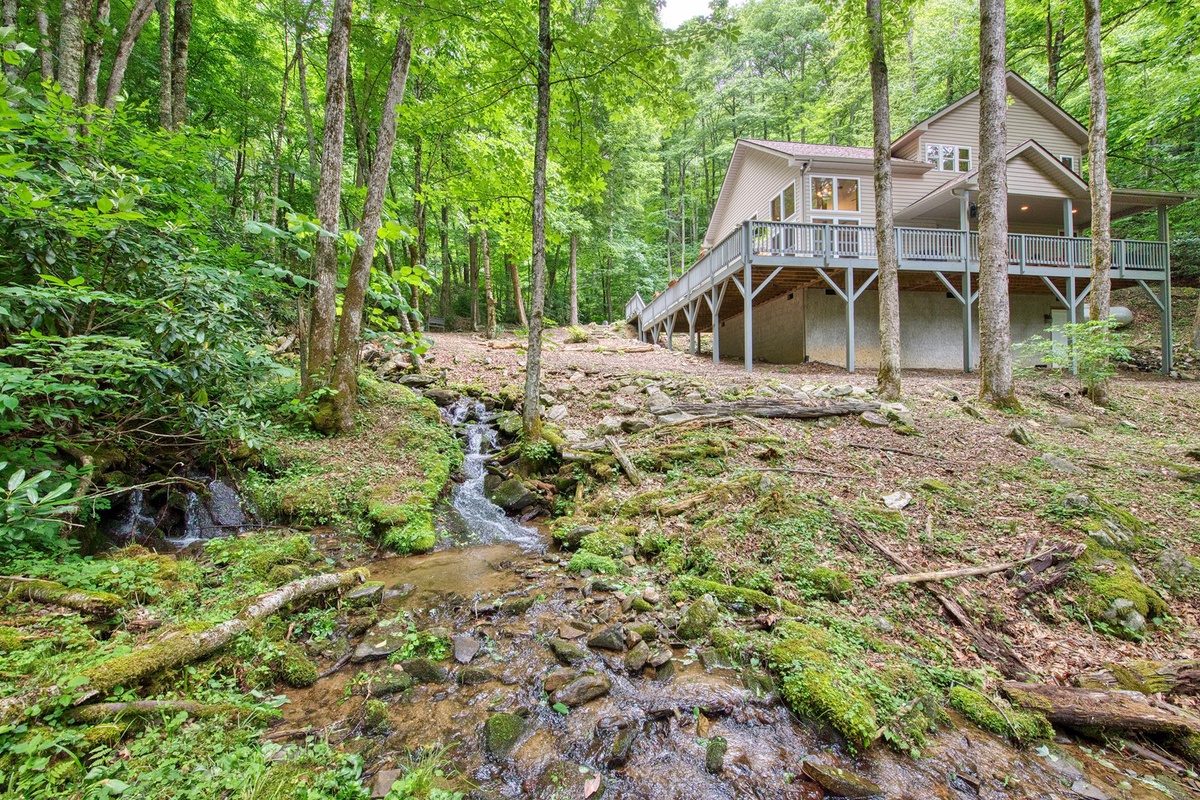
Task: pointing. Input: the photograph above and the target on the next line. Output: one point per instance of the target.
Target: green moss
(607, 543)
(1000, 717)
(375, 716)
(10, 640)
(295, 668)
(823, 583)
(736, 595)
(1188, 746)
(1108, 575)
(108, 734)
(501, 732)
(814, 687)
(596, 563)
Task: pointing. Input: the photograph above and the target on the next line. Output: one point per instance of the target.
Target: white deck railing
(809, 245)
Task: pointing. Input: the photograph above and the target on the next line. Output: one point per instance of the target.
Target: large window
(835, 194)
(784, 204)
(948, 157)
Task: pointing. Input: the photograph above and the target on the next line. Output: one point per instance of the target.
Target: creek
(501, 593)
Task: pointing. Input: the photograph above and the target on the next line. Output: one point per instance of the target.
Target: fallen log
(769, 408)
(97, 713)
(1099, 708)
(100, 604)
(1147, 677)
(183, 647)
(965, 572)
(630, 470)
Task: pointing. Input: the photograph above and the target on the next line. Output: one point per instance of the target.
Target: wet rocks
(636, 658)
(659, 656)
(714, 755)
(368, 593)
(698, 618)
(839, 782)
(423, 670)
(384, 683)
(644, 631)
(501, 733)
(571, 630)
(558, 678)
(715, 658)
(611, 637)
(443, 397)
(513, 495)
(474, 676)
(568, 652)
(382, 640)
(583, 689)
(466, 647)
(622, 746)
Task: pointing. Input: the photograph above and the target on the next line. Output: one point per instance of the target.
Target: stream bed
(502, 596)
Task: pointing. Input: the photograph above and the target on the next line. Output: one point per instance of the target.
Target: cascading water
(484, 520)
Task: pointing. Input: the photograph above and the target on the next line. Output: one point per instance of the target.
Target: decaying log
(108, 712)
(495, 344)
(769, 408)
(1048, 571)
(1099, 708)
(630, 470)
(1147, 677)
(183, 647)
(693, 500)
(965, 572)
(100, 604)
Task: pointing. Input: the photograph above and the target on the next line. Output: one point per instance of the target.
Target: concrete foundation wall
(778, 331)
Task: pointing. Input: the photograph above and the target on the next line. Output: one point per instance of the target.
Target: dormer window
(948, 157)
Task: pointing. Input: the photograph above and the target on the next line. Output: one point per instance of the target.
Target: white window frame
(955, 157)
(835, 211)
(783, 217)
(1068, 162)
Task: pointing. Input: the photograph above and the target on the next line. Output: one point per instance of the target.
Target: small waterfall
(136, 524)
(220, 513)
(484, 520)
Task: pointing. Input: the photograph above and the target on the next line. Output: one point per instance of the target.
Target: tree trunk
(572, 268)
(100, 604)
(165, 117)
(885, 237)
(179, 62)
(1055, 39)
(1147, 677)
(1196, 331)
(1096, 708)
(138, 18)
(417, 248)
(94, 53)
(70, 47)
(489, 298)
(514, 276)
(309, 132)
(8, 19)
(280, 132)
(45, 47)
(447, 287)
(1098, 180)
(995, 336)
(473, 277)
(328, 200)
(345, 369)
(532, 413)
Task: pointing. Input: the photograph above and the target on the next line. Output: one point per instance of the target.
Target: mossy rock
(734, 595)
(608, 543)
(1113, 585)
(699, 617)
(596, 563)
(295, 668)
(107, 733)
(10, 640)
(501, 733)
(824, 583)
(375, 716)
(813, 687)
(1000, 717)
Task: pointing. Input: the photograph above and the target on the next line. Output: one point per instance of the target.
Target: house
(788, 268)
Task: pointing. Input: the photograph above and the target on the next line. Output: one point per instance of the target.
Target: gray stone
(1072, 422)
(382, 640)
(715, 658)
(369, 592)
(1019, 435)
(466, 647)
(674, 418)
(568, 652)
(574, 537)
(608, 426)
(659, 656)
(841, 390)
(714, 755)
(443, 397)
(636, 658)
(625, 406)
(582, 689)
(423, 670)
(629, 390)
(558, 678)
(699, 617)
(513, 495)
(1125, 613)
(870, 419)
(1176, 568)
(417, 381)
(386, 777)
(840, 783)
(1076, 500)
(474, 676)
(1059, 464)
(611, 637)
(635, 425)
(557, 413)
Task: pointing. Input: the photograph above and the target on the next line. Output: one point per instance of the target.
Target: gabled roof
(804, 150)
(1017, 87)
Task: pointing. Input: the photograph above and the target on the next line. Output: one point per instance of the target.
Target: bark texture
(94, 52)
(344, 379)
(1097, 708)
(329, 195)
(489, 297)
(305, 103)
(70, 47)
(473, 277)
(8, 19)
(573, 266)
(280, 132)
(179, 61)
(138, 18)
(1098, 178)
(444, 300)
(165, 118)
(514, 276)
(888, 381)
(532, 413)
(1147, 677)
(101, 604)
(995, 337)
(45, 46)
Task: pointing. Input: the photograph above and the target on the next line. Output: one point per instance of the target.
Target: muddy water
(513, 597)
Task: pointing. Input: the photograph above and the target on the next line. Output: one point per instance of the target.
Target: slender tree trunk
(447, 287)
(418, 245)
(70, 46)
(473, 277)
(45, 46)
(179, 62)
(345, 368)
(358, 121)
(514, 276)
(8, 19)
(94, 52)
(165, 117)
(489, 298)
(328, 201)
(532, 413)
(280, 132)
(995, 336)
(885, 236)
(138, 18)
(314, 166)
(1098, 179)
(1196, 331)
(573, 270)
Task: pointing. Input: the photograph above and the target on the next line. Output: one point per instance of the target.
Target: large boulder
(583, 689)
(698, 618)
(512, 495)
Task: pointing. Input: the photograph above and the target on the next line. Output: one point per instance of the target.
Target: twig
(965, 572)
(802, 471)
(341, 662)
(289, 734)
(623, 460)
(904, 452)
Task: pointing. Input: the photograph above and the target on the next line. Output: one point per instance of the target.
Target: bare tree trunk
(165, 117)
(489, 298)
(302, 78)
(514, 275)
(94, 52)
(328, 199)
(995, 336)
(179, 63)
(417, 247)
(138, 18)
(473, 276)
(45, 46)
(888, 381)
(572, 268)
(345, 368)
(447, 286)
(8, 19)
(1098, 179)
(532, 413)
(70, 47)
(280, 132)
(1196, 331)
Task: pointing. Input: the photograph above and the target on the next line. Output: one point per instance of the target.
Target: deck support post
(690, 311)
(968, 322)
(747, 298)
(670, 325)
(714, 307)
(850, 298)
(1072, 314)
(1168, 345)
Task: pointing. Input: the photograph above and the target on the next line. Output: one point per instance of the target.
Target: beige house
(793, 234)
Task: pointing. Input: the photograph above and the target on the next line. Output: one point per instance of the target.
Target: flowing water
(647, 737)
(177, 520)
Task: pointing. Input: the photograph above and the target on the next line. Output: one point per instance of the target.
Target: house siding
(762, 176)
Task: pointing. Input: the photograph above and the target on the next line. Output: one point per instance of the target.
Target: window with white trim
(784, 204)
(834, 194)
(948, 157)
(1068, 162)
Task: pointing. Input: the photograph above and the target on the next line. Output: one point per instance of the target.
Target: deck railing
(918, 249)
(634, 306)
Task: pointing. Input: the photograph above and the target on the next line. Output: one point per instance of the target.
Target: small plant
(1092, 349)
(576, 335)
(27, 516)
